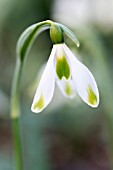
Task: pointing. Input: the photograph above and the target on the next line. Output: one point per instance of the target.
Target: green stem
(17, 144)
(15, 114)
(25, 42)
(23, 46)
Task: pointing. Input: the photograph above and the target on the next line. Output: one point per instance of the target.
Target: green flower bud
(56, 34)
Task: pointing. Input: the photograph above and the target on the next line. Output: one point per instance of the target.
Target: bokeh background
(68, 135)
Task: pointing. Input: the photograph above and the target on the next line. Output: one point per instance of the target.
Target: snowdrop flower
(71, 76)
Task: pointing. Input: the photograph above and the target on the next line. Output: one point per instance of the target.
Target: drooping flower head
(67, 72)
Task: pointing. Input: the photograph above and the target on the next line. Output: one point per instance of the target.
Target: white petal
(67, 87)
(46, 86)
(61, 63)
(85, 83)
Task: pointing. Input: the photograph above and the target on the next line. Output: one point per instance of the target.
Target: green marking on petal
(68, 89)
(92, 98)
(62, 67)
(40, 104)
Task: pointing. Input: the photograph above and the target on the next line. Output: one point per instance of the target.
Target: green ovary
(62, 67)
(40, 104)
(92, 98)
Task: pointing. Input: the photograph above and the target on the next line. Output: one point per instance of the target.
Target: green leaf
(28, 36)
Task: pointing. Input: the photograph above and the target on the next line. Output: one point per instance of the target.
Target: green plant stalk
(24, 43)
(15, 115)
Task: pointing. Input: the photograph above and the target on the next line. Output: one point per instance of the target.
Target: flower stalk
(15, 115)
(23, 45)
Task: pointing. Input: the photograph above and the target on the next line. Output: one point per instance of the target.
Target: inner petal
(67, 87)
(62, 66)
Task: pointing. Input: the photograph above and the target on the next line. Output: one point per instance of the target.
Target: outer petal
(67, 87)
(46, 86)
(85, 83)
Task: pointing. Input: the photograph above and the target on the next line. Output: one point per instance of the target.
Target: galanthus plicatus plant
(62, 68)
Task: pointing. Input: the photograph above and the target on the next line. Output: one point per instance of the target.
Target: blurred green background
(68, 135)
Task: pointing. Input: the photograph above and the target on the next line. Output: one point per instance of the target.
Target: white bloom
(70, 75)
